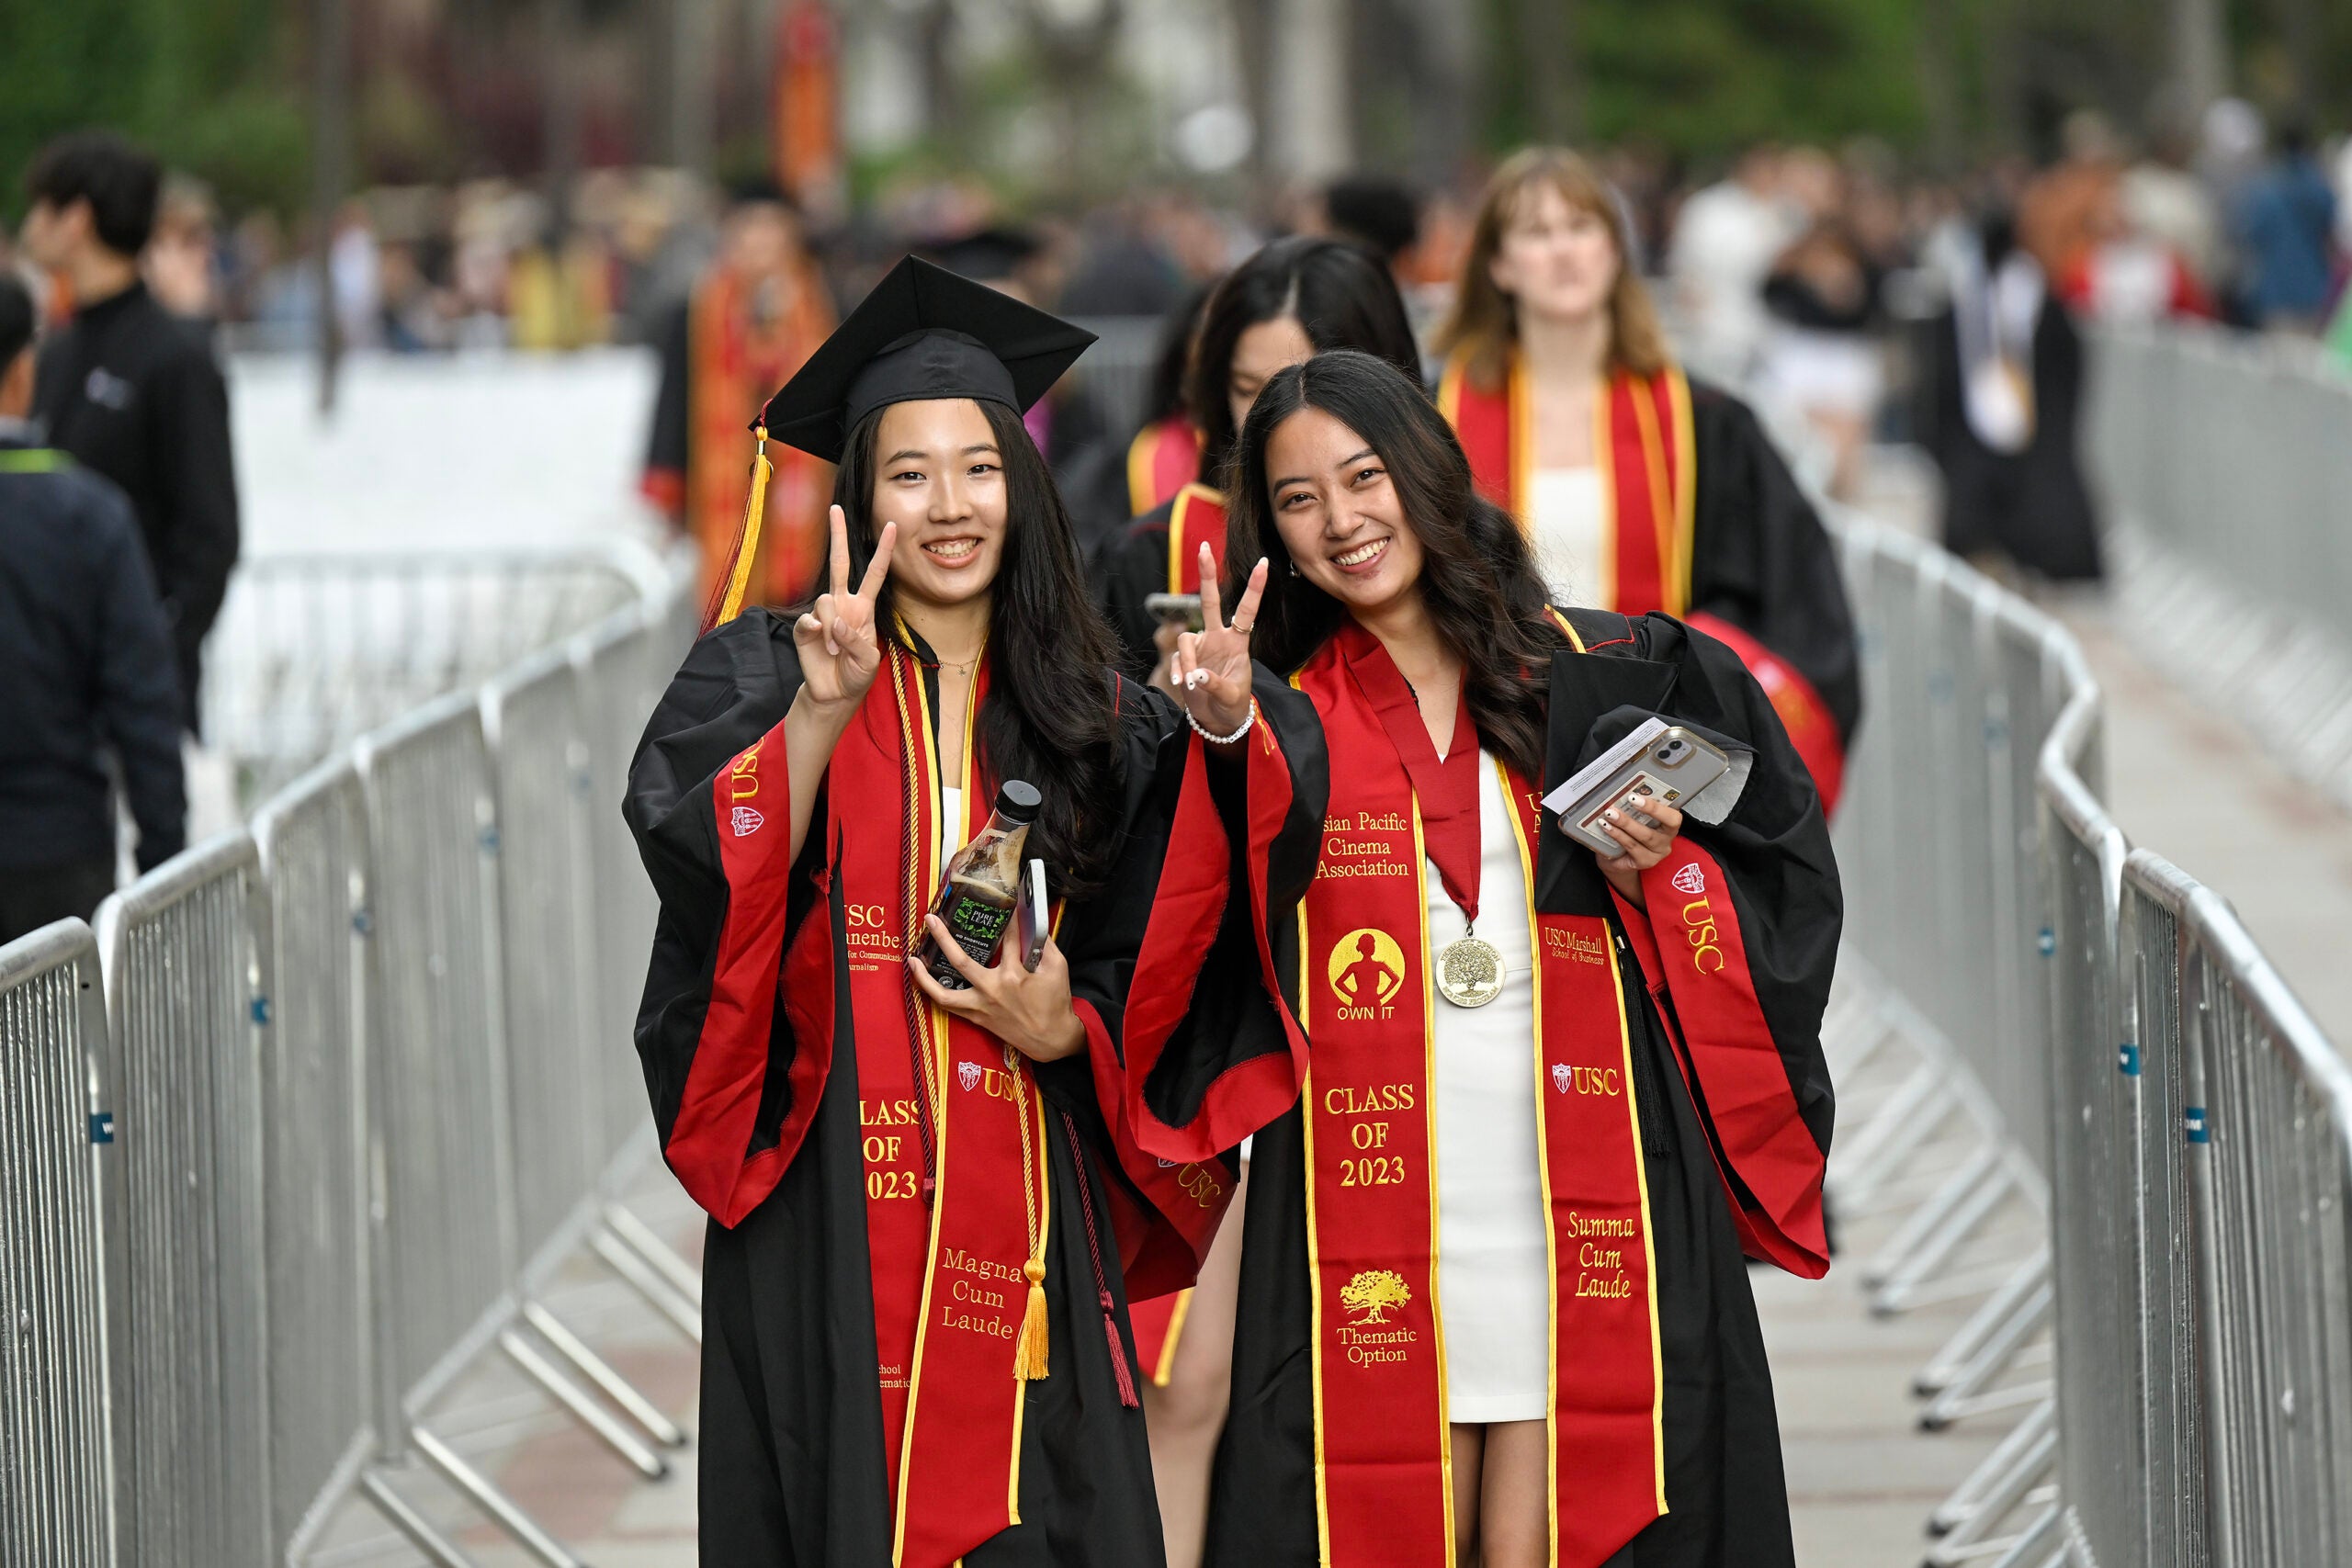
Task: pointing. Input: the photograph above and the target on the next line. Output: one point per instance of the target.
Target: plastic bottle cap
(1017, 801)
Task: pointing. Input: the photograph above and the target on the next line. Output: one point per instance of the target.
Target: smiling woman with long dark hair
(926, 1165)
(1493, 1301)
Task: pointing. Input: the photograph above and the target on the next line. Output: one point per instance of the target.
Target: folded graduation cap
(922, 332)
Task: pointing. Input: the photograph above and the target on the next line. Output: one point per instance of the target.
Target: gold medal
(1469, 970)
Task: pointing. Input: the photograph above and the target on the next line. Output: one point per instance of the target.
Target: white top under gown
(1492, 1294)
(1564, 527)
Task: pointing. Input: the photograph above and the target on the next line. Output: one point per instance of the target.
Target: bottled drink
(977, 896)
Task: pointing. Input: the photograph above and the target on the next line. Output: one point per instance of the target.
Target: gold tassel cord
(747, 547)
(1030, 1360)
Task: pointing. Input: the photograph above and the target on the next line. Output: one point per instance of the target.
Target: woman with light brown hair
(1638, 488)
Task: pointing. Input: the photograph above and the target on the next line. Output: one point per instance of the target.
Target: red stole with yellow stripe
(1645, 445)
(1383, 1492)
(1197, 518)
(735, 358)
(1162, 459)
(950, 1286)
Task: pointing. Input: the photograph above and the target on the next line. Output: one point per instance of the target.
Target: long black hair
(1478, 579)
(1338, 293)
(1049, 717)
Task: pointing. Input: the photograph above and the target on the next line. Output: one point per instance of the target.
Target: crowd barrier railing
(367, 1083)
(58, 1475)
(2221, 461)
(188, 1007)
(2118, 1044)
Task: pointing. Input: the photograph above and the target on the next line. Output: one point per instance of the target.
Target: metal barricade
(56, 1456)
(2256, 1173)
(436, 1034)
(312, 650)
(549, 893)
(187, 1005)
(321, 1228)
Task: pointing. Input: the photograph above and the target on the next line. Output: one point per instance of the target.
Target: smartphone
(1036, 924)
(1664, 760)
(1166, 607)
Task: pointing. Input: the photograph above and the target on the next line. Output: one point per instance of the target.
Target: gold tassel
(1033, 1323)
(755, 512)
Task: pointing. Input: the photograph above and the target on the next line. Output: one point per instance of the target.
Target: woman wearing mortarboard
(930, 1199)
(1493, 1301)
(1638, 488)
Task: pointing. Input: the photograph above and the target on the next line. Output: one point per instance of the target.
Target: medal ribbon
(1447, 787)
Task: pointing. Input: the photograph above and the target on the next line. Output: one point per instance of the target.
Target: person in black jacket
(85, 663)
(129, 390)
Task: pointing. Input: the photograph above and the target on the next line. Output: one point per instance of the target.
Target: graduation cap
(985, 254)
(923, 332)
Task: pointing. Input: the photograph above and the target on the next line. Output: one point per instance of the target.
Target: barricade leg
(491, 1501)
(1881, 1145)
(643, 1276)
(413, 1527)
(1902, 1291)
(585, 1410)
(2040, 1546)
(599, 1371)
(1986, 1324)
(1967, 1499)
(1929, 1217)
(1967, 1394)
(638, 1238)
(1966, 1543)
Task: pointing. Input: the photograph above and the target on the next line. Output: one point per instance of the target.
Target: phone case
(1036, 924)
(1659, 760)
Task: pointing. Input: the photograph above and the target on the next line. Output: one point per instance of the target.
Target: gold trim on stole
(938, 1046)
(1686, 495)
(1314, 1250)
(1519, 391)
(1429, 1100)
(1604, 459)
(1194, 491)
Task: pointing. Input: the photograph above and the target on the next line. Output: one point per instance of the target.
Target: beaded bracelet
(1223, 740)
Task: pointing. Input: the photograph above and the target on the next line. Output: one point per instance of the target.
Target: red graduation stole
(1197, 518)
(951, 1279)
(1161, 460)
(1384, 1484)
(1643, 443)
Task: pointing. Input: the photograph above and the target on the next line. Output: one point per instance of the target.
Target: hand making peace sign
(839, 644)
(1210, 668)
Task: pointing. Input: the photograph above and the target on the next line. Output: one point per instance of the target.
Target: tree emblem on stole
(1375, 1292)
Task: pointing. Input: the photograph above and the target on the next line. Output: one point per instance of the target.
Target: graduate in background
(1639, 489)
(1291, 299)
(759, 311)
(922, 1196)
(2003, 389)
(1165, 455)
(1494, 1305)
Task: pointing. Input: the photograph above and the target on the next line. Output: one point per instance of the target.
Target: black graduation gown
(1761, 560)
(1726, 1493)
(2030, 505)
(792, 1463)
(1126, 574)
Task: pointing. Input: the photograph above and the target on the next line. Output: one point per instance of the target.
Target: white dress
(1493, 1296)
(1565, 526)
